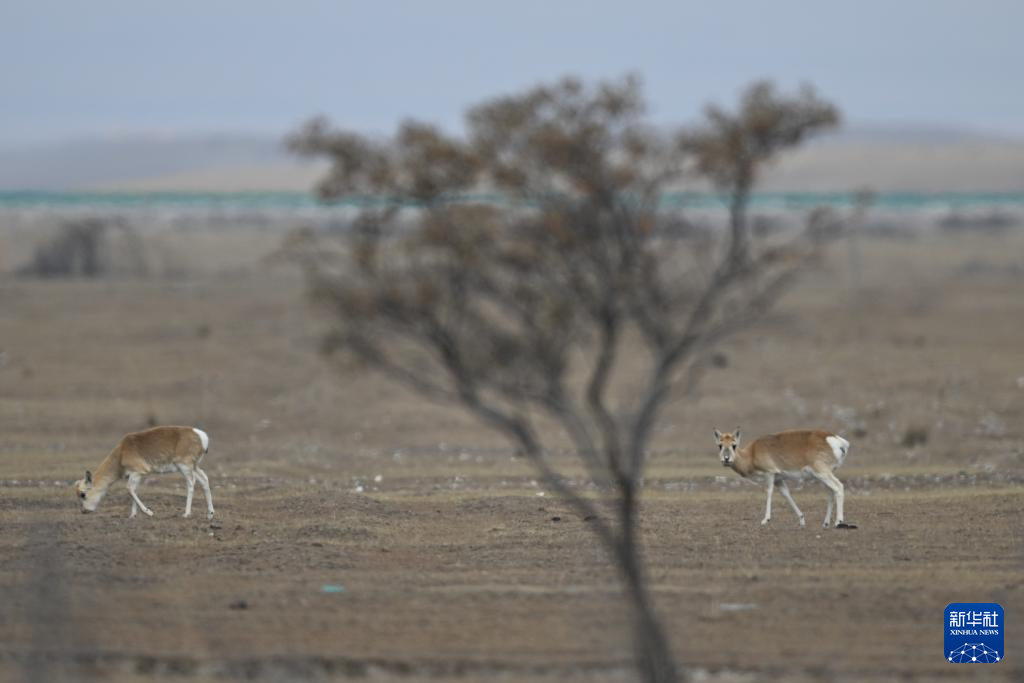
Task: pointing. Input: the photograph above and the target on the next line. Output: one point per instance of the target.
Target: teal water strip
(303, 200)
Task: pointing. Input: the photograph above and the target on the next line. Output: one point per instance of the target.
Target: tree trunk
(651, 649)
(738, 228)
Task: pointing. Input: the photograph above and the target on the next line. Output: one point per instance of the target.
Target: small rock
(239, 604)
(736, 606)
(556, 519)
(216, 525)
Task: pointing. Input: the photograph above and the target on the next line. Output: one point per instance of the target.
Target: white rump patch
(205, 439)
(840, 447)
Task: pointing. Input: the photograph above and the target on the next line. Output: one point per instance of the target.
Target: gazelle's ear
(736, 435)
(718, 436)
(88, 477)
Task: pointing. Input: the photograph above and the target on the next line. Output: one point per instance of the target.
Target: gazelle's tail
(840, 447)
(204, 438)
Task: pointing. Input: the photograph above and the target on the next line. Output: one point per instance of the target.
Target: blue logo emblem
(974, 633)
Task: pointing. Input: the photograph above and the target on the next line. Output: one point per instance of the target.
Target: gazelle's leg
(768, 506)
(836, 489)
(135, 509)
(204, 481)
(190, 485)
(784, 487)
(822, 475)
(840, 494)
(133, 483)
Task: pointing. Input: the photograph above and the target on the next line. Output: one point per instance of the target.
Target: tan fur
(159, 449)
(785, 452)
(791, 454)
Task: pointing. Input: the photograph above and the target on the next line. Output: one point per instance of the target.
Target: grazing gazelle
(795, 454)
(156, 450)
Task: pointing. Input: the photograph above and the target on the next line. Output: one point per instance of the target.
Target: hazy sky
(105, 67)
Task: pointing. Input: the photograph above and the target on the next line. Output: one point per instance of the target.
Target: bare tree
(732, 147)
(516, 302)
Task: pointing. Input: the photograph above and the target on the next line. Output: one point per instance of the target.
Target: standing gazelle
(794, 454)
(156, 450)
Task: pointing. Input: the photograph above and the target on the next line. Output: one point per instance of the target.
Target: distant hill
(969, 166)
(98, 162)
(887, 159)
(287, 175)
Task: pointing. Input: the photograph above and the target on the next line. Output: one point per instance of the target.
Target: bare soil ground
(452, 563)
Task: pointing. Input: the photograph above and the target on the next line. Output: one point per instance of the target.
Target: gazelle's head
(727, 444)
(87, 493)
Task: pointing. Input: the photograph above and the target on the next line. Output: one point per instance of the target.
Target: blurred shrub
(916, 435)
(88, 247)
(978, 221)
